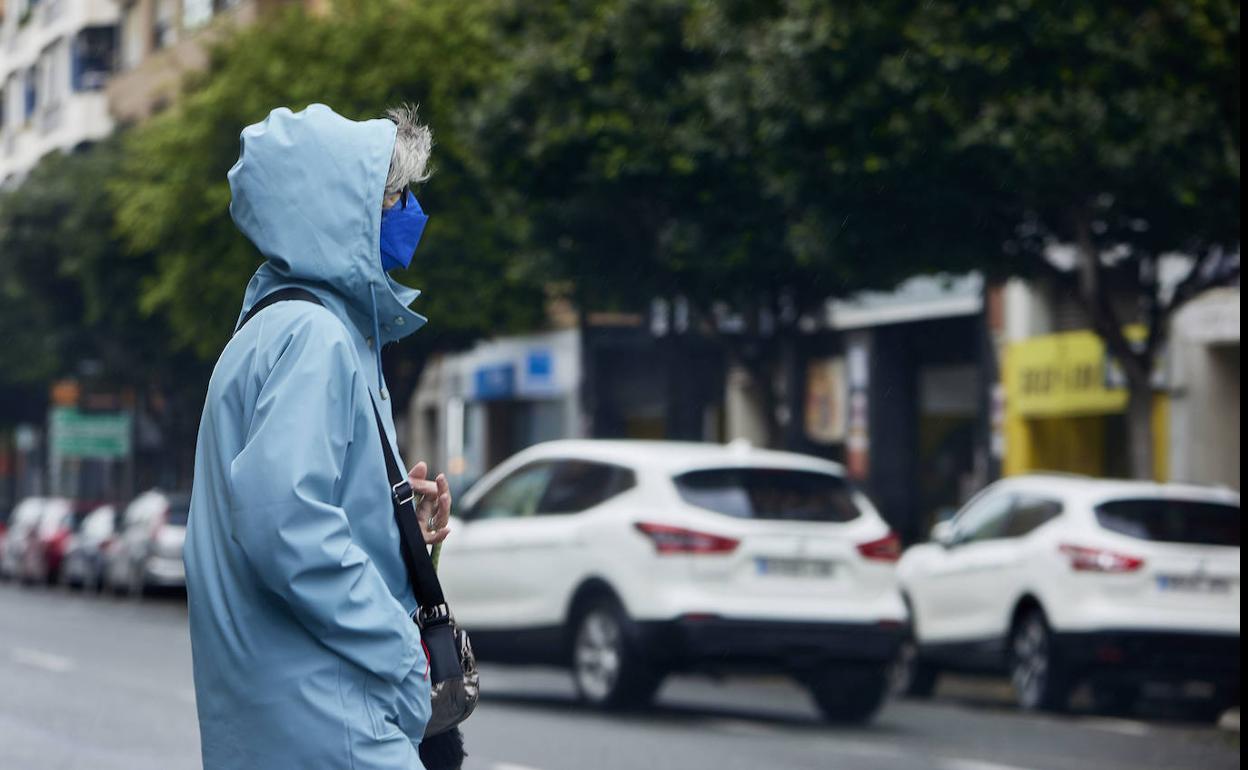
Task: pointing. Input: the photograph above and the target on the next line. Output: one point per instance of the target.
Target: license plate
(798, 568)
(1194, 584)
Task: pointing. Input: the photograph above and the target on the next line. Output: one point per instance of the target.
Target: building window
(196, 13)
(165, 28)
(95, 50)
(31, 93)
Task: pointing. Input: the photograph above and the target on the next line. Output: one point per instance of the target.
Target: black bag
(452, 665)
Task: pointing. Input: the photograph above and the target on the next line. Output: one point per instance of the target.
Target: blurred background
(958, 264)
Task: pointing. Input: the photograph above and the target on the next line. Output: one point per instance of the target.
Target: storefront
(473, 410)
(1065, 409)
(1204, 383)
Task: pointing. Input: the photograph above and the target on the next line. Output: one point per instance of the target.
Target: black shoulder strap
(420, 570)
(281, 295)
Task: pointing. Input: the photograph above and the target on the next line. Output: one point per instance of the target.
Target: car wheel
(64, 581)
(912, 676)
(1208, 712)
(135, 585)
(608, 669)
(112, 581)
(1040, 682)
(849, 694)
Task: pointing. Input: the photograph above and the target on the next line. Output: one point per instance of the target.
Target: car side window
(516, 496)
(985, 519)
(578, 485)
(1030, 513)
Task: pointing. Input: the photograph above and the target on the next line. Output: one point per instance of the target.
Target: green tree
(173, 197)
(1108, 128)
(753, 158)
(70, 304)
(68, 284)
(768, 154)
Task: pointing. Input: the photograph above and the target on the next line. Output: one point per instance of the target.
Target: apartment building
(160, 41)
(56, 57)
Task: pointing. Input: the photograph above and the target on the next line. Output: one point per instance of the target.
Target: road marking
(1120, 726)
(45, 660)
(975, 764)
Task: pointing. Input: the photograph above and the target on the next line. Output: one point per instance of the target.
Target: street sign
(102, 436)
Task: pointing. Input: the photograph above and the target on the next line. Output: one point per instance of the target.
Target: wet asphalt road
(96, 683)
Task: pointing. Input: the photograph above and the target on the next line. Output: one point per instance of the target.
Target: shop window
(95, 51)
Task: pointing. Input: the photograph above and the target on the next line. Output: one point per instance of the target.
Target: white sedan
(1062, 580)
(626, 560)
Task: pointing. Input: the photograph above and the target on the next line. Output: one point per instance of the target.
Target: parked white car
(23, 528)
(86, 552)
(146, 551)
(1063, 580)
(626, 560)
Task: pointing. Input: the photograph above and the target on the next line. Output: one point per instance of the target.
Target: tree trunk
(762, 383)
(1140, 439)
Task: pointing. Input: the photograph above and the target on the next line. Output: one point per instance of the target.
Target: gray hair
(413, 143)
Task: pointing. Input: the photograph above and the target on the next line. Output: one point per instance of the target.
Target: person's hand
(433, 508)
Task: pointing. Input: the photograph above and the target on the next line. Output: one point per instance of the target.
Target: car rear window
(1172, 521)
(769, 493)
(179, 509)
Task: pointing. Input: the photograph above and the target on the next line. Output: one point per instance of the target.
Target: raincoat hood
(307, 191)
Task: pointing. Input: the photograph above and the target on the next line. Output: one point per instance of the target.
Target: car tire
(136, 586)
(1208, 712)
(1040, 681)
(608, 668)
(64, 582)
(911, 676)
(849, 694)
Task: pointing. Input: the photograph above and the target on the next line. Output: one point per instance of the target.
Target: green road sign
(99, 436)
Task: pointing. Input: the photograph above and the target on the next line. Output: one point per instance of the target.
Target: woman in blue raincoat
(305, 653)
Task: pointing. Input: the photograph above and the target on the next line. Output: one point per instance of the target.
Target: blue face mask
(401, 227)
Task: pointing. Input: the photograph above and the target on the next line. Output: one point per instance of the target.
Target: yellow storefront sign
(1059, 391)
(1060, 375)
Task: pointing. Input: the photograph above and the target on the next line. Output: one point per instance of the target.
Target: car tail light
(887, 548)
(1099, 560)
(668, 539)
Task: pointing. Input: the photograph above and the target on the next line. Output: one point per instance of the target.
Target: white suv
(626, 560)
(1062, 580)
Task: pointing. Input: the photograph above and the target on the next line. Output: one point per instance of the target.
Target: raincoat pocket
(380, 703)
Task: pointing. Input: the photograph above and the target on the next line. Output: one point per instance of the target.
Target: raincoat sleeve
(283, 512)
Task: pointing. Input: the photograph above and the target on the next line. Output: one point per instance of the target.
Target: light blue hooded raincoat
(305, 655)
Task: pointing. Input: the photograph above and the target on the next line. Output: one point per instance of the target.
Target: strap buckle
(402, 493)
(433, 615)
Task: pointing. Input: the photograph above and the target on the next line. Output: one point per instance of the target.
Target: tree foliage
(1112, 128)
(69, 285)
(772, 153)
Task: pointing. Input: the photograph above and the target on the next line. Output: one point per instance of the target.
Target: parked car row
(51, 540)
